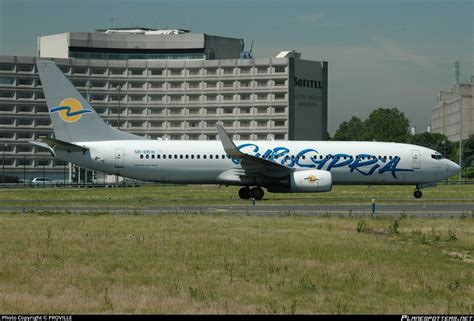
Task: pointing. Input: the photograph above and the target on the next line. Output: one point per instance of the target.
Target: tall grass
(201, 263)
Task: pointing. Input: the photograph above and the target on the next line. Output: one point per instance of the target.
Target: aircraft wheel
(257, 193)
(417, 194)
(244, 193)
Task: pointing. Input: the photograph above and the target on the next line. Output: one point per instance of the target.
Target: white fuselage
(203, 162)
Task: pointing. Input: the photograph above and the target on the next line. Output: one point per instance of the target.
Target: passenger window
(141, 156)
(210, 156)
(192, 156)
(147, 156)
(152, 156)
(175, 156)
(198, 156)
(187, 156)
(204, 156)
(180, 156)
(164, 156)
(158, 156)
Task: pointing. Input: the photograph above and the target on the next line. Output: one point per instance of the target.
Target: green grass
(59, 263)
(209, 195)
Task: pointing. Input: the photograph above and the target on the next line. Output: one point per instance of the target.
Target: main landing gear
(246, 193)
(417, 193)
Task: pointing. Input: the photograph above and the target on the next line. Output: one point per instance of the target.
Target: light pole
(118, 108)
(88, 87)
(460, 138)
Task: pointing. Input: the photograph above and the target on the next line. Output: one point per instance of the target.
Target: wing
(251, 166)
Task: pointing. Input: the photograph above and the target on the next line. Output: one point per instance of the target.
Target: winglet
(227, 143)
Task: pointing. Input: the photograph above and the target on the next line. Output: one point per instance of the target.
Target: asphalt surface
(417, 210)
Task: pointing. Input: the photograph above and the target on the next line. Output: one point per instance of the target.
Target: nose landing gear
(417, 193)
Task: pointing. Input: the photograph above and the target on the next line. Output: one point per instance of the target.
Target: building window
(194, 72)
(79, 70)
(98, 71)
(24, 82)
(175, 72)
(7, 67)
(280, 69)
(245, 70)
(117, 71)
(25, 68)
(279, 123)
(279, 96)
(280, 110)
(156, 84)
(156, 72)
(176, 85)
(136, 72)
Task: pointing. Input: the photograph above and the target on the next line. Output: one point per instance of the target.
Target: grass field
(60, 263)
(196, 195)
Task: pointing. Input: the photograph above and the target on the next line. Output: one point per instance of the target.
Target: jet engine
(311, 181)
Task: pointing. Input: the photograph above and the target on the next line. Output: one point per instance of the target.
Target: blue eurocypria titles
(365, 164)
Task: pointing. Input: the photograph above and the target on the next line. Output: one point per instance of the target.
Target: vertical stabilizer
(72, 117)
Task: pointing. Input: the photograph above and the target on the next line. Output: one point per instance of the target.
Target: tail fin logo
(70, 110)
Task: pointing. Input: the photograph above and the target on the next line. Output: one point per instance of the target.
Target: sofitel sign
(307, 83)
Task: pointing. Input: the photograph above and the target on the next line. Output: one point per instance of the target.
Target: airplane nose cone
(453, 168)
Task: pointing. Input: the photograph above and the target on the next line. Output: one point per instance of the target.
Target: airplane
(83, 138)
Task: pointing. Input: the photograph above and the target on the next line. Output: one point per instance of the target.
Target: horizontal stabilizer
(55, 144)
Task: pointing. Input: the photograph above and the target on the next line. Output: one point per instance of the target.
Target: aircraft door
(118, 157)
(416, 159)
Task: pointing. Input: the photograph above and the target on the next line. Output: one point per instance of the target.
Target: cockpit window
(437, 156)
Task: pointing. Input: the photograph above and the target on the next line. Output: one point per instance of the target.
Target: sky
(383, 53)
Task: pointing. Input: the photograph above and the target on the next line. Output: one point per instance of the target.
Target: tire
(257, 193)
(417, 194)
(244, 193)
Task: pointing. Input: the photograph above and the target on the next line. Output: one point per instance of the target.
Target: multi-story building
(454, 112)
(178, 89)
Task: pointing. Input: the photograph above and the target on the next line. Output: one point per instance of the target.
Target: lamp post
(118, 107)
(88, 87)
(460, 138)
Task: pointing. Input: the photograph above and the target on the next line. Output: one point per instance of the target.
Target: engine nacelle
(311, 180)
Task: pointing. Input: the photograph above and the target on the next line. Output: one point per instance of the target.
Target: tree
(468, 156)
(354, 129)
(435, 141)
(388, 125)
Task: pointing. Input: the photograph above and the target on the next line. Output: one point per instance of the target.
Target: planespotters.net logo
(437, 318)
